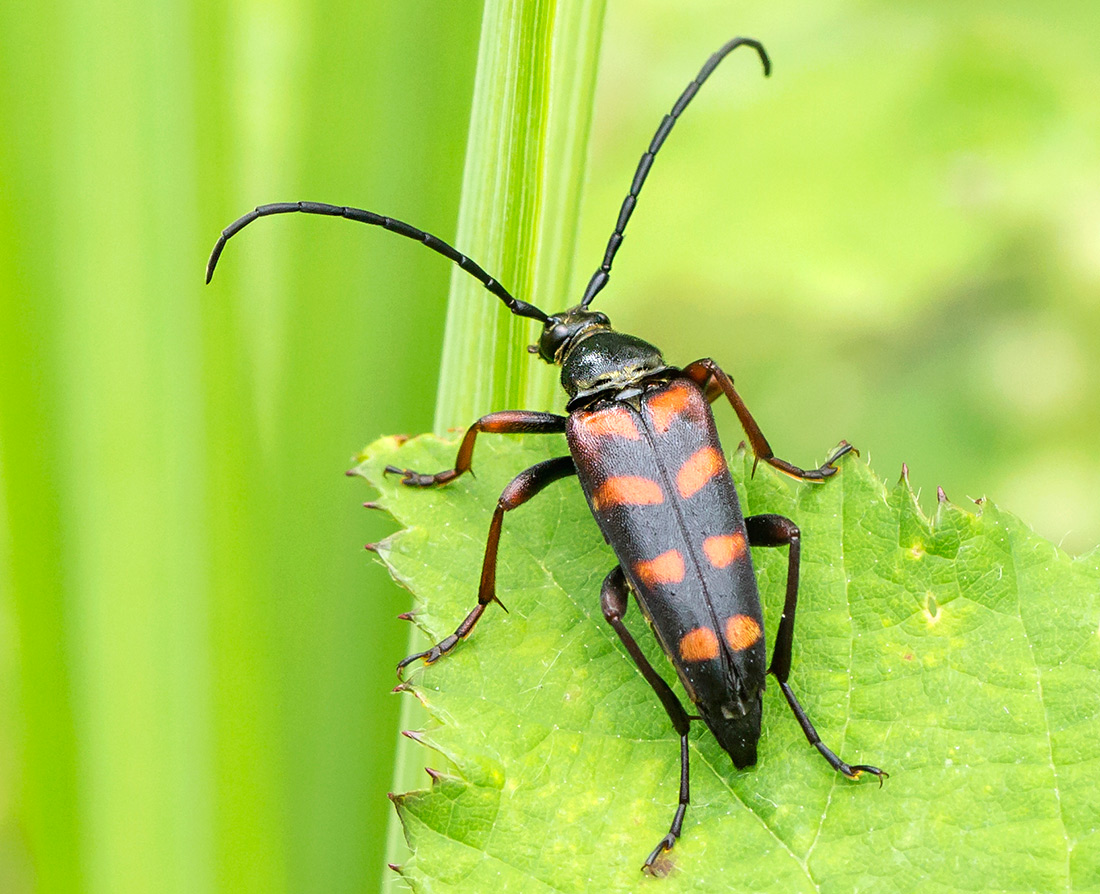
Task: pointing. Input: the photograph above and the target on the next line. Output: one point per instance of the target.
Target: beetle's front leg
(522, 488)
(506, 422)
(614, 598)
(775, 530)
(709, 376)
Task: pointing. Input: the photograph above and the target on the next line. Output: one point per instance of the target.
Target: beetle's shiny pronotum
(643, 443)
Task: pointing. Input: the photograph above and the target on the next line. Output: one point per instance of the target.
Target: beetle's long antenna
(519, 308)
(600, 277)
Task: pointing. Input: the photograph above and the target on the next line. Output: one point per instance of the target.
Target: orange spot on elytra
(742, 632)
(701, 466)
(629, 489)
(723, 549)
(613, 423)
(667, 568)
(666, 405)
(700, 644)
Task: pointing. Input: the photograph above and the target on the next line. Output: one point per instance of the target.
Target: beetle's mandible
(642, 442)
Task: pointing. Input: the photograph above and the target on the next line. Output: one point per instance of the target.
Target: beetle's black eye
(559, 333)
(602, 319)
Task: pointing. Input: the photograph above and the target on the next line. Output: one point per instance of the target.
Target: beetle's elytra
(643, 444)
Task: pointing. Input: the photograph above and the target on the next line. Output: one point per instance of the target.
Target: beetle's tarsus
(412, 478)
(828, 468)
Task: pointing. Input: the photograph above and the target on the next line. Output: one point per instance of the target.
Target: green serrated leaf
(960, 653)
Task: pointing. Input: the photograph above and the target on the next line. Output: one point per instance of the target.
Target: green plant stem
(518, 219)
(521, 190)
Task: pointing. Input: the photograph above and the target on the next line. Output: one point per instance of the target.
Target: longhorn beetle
(643, 443)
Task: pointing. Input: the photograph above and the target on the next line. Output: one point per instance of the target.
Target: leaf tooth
(380, 547)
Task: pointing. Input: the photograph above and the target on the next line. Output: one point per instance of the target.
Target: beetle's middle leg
(775, 530)
(506, 422)
(714, 381)
(521, 489)
(614, 598)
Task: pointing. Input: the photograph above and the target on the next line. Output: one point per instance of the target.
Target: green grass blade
(518, 219)
(193, 680)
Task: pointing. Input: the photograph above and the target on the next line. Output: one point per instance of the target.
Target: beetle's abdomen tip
(741, 746)
(737, 729)
(744, 757)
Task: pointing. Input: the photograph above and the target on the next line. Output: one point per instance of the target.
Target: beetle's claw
(665, 844)
(842, 449)
(429, 656)
(859, 769)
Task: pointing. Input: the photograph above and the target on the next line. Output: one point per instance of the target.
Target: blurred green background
(895, 239)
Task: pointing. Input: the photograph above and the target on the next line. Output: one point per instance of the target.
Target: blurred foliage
(895, 239)
(197, 652)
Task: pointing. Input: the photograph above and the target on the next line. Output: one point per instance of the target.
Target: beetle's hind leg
(521, 489)
(775, 530)
(614, 598)
(714, 381)
(507, 422)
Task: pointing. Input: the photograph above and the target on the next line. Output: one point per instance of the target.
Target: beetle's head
(564, 329)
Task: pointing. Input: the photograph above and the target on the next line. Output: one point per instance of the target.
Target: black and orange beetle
(643, 443)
